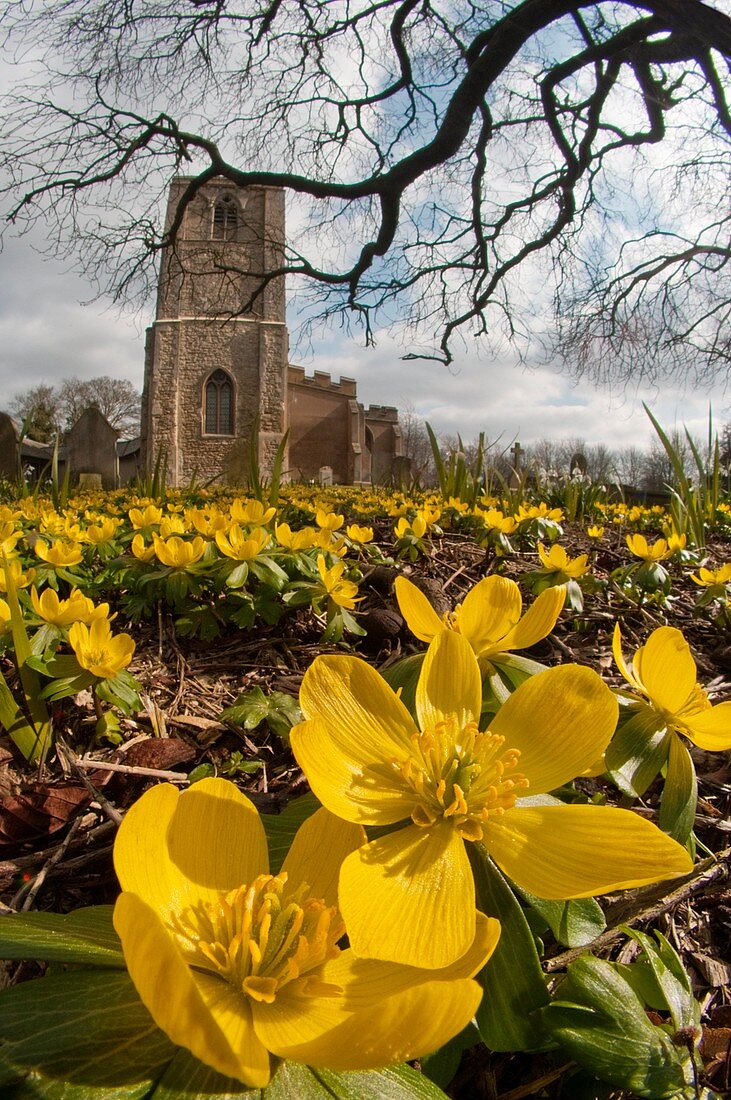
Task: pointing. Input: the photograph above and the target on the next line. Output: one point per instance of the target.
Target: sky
(51, 329)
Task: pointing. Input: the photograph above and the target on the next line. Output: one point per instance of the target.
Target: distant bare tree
(417, 447)
(48, 410)
(39, 410)
(631, 463)
(116, 398)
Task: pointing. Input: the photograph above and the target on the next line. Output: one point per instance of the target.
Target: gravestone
(325, 476)
(91, 448)
(517, 453)
(8, 448)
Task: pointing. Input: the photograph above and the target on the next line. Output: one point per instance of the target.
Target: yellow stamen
(259, 940)
(459, 775)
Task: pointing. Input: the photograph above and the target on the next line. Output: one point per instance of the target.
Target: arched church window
(219, 404)
(225, 219)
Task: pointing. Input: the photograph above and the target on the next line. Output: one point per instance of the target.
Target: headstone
(91, 448)
(516, 452)
(90, 481)
(8, 448)
(325, 475)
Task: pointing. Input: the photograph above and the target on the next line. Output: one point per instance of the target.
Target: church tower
(215, 362)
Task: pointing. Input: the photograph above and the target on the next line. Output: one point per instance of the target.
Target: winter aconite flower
(489, 617)
(409, 895)
(335, 586)
(98, 650)
(237, 965)
(663, 674)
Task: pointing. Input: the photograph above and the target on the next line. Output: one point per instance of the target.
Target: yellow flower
(60, 553)
(140, 551)
(595, 532)
(417, 527)
(676, 542)
(251, 513)
(430, 515)
(142, 520)
(20, 579)
(639, 546)
(489, 616)
(295, 540)
(409, 895)
(539, 511)
(663, 672)
(237, 965)
(342, 592)
(78, 608)
(98, 650)
(358, 534)
(4, 616)
(328, 521)
(708, 577)
(494, 520)
(98, 534)
(176, 553)
(172, 525)
(556, 560)
(242, 547)
(206, 521)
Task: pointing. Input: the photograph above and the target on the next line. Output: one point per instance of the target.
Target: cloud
(48, 334)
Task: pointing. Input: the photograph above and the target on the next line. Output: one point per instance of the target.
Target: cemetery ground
(229, 600)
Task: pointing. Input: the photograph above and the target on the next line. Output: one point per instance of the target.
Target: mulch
(57, 822)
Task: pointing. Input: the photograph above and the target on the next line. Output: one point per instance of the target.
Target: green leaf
(404, 675)
(85, 1035)
(573, 923)
(671, 979)
(441, 1066)
(637, 751)
(680, 794)
(395, 1083)
(513, 980)
(280, 828)
(601, 1023)
(84, 936)
(87, 1028)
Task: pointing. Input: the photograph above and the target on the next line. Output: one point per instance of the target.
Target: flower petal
(406, 1025)
(410, 897)
(175, 849)
(580, 851)
(450, 682)
(489, 611)
(665, 667)
(561, 721)
(357, 704)
(711, 729)
(538, 621)
(622, 665)
(356, 788)
(181, 1005)
(320, 845)
(370, 980)
(421, 618)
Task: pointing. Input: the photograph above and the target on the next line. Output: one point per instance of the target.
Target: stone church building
(217, 371)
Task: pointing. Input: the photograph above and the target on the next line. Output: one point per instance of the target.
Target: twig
(72, 760)
(29, 890)
(710, 870)
(129, 769)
